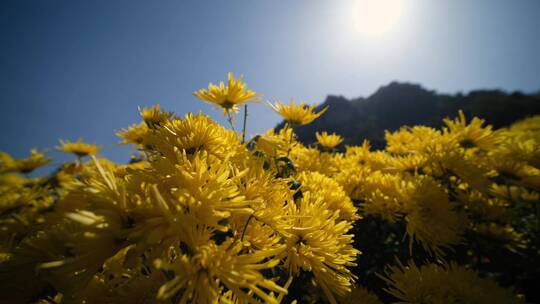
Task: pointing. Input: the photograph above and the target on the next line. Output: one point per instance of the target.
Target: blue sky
(71, 69)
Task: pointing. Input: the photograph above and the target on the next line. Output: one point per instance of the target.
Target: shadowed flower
(448, 283)
(360, 295)
(430, 217)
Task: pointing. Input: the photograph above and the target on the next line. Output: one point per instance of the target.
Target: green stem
(245, 227)
(230, 120)
(290, 141)
(245, 120)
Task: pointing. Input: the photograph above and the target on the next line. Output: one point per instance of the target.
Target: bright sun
(375, 17)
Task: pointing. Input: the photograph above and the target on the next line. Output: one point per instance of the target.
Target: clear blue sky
(71, 69)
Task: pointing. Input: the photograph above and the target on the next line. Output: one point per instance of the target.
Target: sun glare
(375, 17)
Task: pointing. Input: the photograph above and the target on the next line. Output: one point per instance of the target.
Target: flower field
(202, 214)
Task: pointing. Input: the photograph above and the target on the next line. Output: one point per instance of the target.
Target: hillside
(398, 104)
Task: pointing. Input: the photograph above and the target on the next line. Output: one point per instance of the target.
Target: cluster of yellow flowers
(203, 217)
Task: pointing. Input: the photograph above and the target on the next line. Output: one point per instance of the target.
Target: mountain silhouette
(400, 104)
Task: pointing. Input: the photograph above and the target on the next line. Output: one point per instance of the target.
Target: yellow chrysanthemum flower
(122, 279)
(78, 148)
(382, 195)
(275, 145)
(360, 295)
(7, 163)
(37, 159)
(194, 133)
(318, 242)
(311, 159)
(203, 217)
(430, 217)
(472, 135)
(514, 193)
(484, 206)
(469, 172)
(208, 190)
(266, 196)
(23, 202)
(448, 283)
(203, 275)
(332, 194)
(297, 115)
(352, 179)
(329, 141)
(155, 117)
(512, 239)
(229, 96)
(412, 140)
(133, 134)
(411, 163)
(511, 171)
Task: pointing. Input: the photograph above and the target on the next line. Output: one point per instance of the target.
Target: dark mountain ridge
(399, 104)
